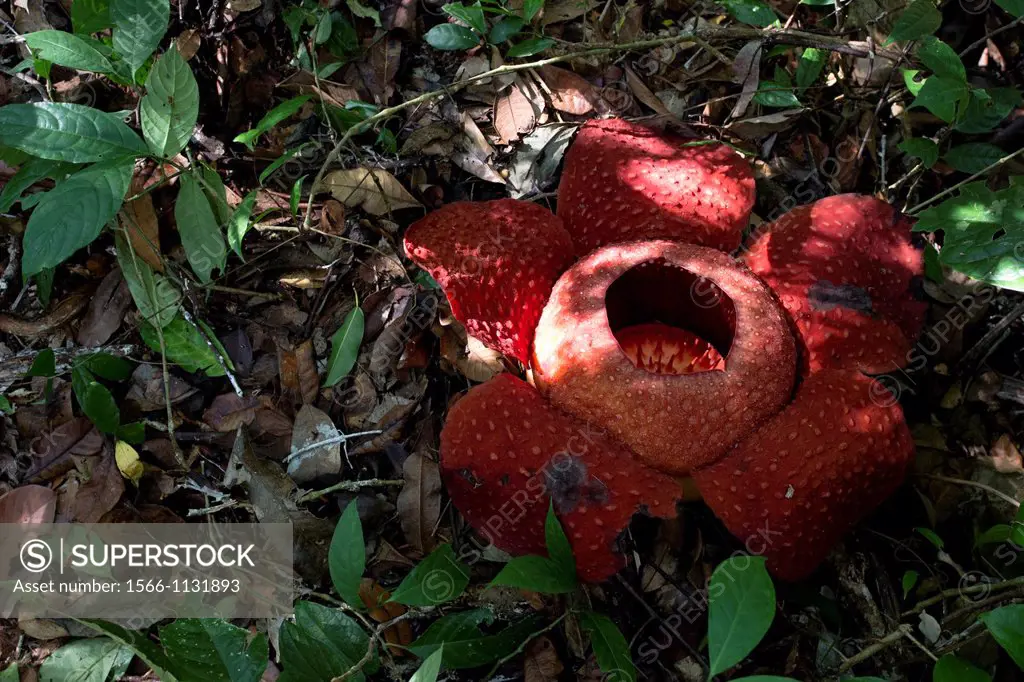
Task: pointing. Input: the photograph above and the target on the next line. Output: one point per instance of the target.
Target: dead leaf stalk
(350, 487)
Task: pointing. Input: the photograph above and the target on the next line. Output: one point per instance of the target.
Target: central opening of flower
(669, 320)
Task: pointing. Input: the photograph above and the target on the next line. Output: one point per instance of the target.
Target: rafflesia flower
(656, 355)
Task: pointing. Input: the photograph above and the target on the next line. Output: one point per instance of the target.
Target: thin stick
(869, 651)
(983, 171)
(963, 591)
(350, 487)
(974, 484)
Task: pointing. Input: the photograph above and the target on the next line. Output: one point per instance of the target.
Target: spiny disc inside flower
(663, 349)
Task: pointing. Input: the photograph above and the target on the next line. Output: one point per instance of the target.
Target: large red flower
(657, 355)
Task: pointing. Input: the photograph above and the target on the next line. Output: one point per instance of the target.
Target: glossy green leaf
(921, 18)
(554, 574)
(322, 32)
(90, 16)
(910, 80)
(953, 669)
(974, 157)
(200, 233)
(1007, 627)
(323, 644)
(281, 112)
(986, 109)
(531, 8)
(132, 432)
(427, 672)
(139, 26)
(358, 9)
(31, 172)
(240, 222)
(741, 602)
(106, 366)
(995, 535)
(70, 50)
(751, 12)
(505, 29)
(437, 579)
(1013, 7)
(96, 401)
(138, 642)
(610, 647)
(530, 47)
(157, 298)
(921, 148)
(471, 15)
(214, 650)
(451, 37)
(67, 132)
(73, 213)
(345, 346)
(811, 64)
(909, 581)
(931, 535)
(169, 110)
(944, 97)
(44, 364)
(465, 646)
(941, 59)
(347, 556)
(186, 346)
(85, 660)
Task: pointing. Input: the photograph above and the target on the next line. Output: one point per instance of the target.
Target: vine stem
(983, 171)
(704, 33)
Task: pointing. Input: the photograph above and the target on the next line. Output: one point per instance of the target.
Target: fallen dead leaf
(570, 93)
(188, 42)
(419, 503)
(564, 10)
(106, 310)
(229, 411)
(93, 492)
(312, 426)
(375, 191)
(644, 94)
(297, 369)
(1004, 456)
(513, 114)
(53, 451)
(28, 504)
(541, 663)
(140, 223)
(746, 73)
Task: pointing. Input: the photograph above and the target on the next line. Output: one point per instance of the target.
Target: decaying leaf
(128, 461)
(514, 114)
(297, 369)
(140, 223)
(229, 411)
(541, 663)
(375, 191)
(419, 503)
(305, 463)
(569, 92)
(644, 94)
(106, 310)
(53, 451)
(28, 504)
(93, 491)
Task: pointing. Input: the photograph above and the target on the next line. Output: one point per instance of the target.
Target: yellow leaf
(376, 191)
(128, 461)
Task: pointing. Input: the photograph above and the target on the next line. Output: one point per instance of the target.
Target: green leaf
(471, 15)
(932, 537)
(426, 673)
(282, 160)
(347, 556)
(530, 47)
(157, 298)
(1014, 7)
(281, 112)
(138, 642)
(217, 194)
(96, 401)
(44, 364)
(920, 19)
(6, 408)
(31, 172)
(921, 148)
(554, 574)
(987, 108)
(323, 644)
(44, 284)
(995, 535)
(186, 346)
(345, 347)
(451, 37)
(973, 157)
(91, 16)
(909, 76)
(944, 97)
(169, 110)
(322, 33)
(344, 42)
(439, 578)
(941, 59)
(505, 29)
(741, 609)
(105, 365)
(295, 197)
(85, 660)
(812, 61)
(200, 234)
(239, 223)
(465, 646)
(73, 213)
(132, 432)
(953, 669)
(559, 549)
(1007, 627)
(360, 10)
(1017, 528)
(67, 132)
(777, 95)
(214, 650)
(610, 647)
(531, 7)
(910, 579)
(70, 50)
(139, 26)
(751, 12)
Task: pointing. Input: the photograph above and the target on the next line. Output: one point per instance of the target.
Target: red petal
(505, 452)
(496, 261)
(623, 181)
(662, 349)
(795, 486)
(673, 423)
(852, 254)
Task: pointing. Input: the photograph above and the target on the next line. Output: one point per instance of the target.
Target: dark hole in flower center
(669, 320)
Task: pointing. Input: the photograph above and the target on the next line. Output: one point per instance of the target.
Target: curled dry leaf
(1004, 456)
(139, 221)
(28, 504)
(312, 426)
(229, 411)
(419, 503)
(514, 114)
(297, 369)
(53, 451)
(93, 492)
(644, 94)
(188, 42)
(106, 310)
(541, 663)
(332, 218)
(569, 92)
(375, 599)
(375, 191)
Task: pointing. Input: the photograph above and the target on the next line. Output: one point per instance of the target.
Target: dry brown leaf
(474, 152)
(53, 451)
(541, 663)
(419, 503)
(229, 411)
(1004, 456)
(85, 498)
(312, 426)
(106, 310)
(332, 218)
(570, 93)
(297, 369)
(564, 10)
(28, 504)
(375, 191)
(746, 72)
(140, 223)
(188, 42)
(513, 115)
(644, 94)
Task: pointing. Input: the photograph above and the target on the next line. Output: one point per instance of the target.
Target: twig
(963, 591)
(922, 647)
(374, 639)
(350, 487)
(974, 484)
(882, 644)
(522, 647)
(340, 438)
(983, 171)
(988, 36)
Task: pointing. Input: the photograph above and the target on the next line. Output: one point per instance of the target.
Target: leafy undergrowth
(202, 213)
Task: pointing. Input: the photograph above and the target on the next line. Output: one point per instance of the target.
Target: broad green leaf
(360, 10)
(610, 647)
(941, 59)
(70, 50)
(281, 112)
(157, 298)
(909, 80)
(217, 193)
(85, 660)
(987, 108)
(920, 19)
(344, 42)
(741, 601)
(170, 108)
(426, 672)
(531, 7)
(214, 650)
(138, 642)
(530, 47)
(451, 37)
(106, 366)
(347, 556)
(239, 223)
(995, 535)
(1007, 627)
(776, 95)
(921, 148)
(973, 157)
(909, 581)
(751, 12)
(44, 364)
(437, 579)
(953, 669)
(322, 33)
(132, 432)
(31, 172)
(73, 213)
(471, 15)
(812, 61)
(96, 401)
(505, 29)
(186, 346)
(6, 408)
(67, 132)
(139, 26)
(932, 537)
(90, 16)
(44, 284)
(345, 347)
(465, 646)
(554, 574)
(200, 234)
(559, 549)
(944, 97)
(1014, 7)
(323, 644)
